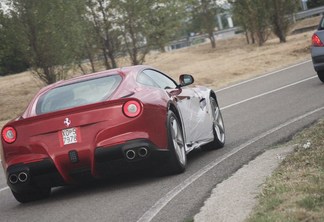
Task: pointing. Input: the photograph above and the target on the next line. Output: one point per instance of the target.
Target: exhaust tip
(22, 177)
(130, 154)
(142, 152)
(13, 178)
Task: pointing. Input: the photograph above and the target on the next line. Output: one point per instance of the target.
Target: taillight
(9, 134)
(132, 108)
(316, 41)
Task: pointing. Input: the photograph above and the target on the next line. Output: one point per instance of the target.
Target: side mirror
(186, 80)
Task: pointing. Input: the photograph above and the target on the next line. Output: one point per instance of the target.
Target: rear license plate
(70, 136)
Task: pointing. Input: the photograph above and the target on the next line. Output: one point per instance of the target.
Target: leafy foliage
(204, 17)
(146, 25)
(102, 17)
(50, 34)
(259, 17)
(254, 17)
(53, 35)
(11, 59)
(280, 16)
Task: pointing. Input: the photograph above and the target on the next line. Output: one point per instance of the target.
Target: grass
(295, 191)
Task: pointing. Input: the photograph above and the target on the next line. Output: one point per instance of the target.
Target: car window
(156, 79)
(321, 25)
(145, 79)
(77, 94)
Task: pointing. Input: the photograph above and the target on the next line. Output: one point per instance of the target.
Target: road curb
(235, 198)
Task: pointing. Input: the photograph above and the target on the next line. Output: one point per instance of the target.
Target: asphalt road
(258, 113)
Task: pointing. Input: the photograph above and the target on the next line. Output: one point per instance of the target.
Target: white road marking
(266, 93)
(160, 204)
(3, 189)
(263, 76)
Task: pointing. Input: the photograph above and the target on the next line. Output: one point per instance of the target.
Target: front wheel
(321, 75)
(218, 127)
(178, 159)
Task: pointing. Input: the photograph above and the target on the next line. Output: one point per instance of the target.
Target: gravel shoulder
(235, 198)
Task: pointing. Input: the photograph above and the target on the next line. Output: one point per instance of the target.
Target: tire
(176, 145)
(31, 195)
(218, 127)
(320, 75)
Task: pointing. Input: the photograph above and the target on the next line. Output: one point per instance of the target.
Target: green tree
(89, 50)
(11, 57)
(260, 20)
(102, 14)
(52, 34)
(259, 17)
(279, 14)
(204, 17)
(134, 28)
(164, 21)
(254, 16)
(241, 12)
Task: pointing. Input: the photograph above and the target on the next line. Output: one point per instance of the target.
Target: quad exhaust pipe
(13, 178)
(132, 153)
(21, 177)
(142, 152)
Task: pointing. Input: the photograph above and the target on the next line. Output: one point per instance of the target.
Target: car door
(197, 121)
(191, 106)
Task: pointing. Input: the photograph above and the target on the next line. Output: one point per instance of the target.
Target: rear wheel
(321, 75)
(218, 127)
(32, 195)
(178, 159)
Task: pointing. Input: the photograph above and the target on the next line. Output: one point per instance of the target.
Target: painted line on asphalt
(3, 189)
(160, 204)
(269, 92)
(263, 76)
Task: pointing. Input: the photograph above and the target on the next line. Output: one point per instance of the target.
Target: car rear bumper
(107, 161)
(133, 155)
(33, 175)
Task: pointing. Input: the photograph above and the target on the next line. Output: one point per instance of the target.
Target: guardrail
(309, 12)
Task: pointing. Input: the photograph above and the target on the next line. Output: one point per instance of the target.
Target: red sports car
(99, 124)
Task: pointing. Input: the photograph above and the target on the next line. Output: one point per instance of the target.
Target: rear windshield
(78, 94)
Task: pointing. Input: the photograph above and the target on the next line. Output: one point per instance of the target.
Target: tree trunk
(82, 69)
(112, 59)
(93, 69)
(106, 61)
(278, 23)
(252, 37)
(212, 39)
(281, 35)
(48, 76)
(247, 37)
